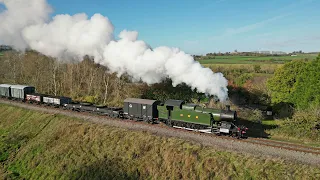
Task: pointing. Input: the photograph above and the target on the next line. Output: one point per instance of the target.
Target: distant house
(293, 55)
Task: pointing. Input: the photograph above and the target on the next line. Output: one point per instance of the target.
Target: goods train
(174, 113)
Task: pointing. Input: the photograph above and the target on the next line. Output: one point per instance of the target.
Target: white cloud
(292, 41)
(251, 27)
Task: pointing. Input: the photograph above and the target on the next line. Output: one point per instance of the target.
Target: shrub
(297, 83)
(302, 125)
(283, 82)
(90, 99)
(240, 80)
(257, 68)
(307, 91)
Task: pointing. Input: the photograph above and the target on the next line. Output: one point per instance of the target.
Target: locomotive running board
(197, 130)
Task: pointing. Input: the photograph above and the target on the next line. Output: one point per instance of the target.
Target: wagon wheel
(146, 119)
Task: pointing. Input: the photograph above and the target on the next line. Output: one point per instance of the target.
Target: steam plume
(26, 24)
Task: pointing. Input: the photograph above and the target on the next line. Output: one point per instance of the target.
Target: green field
(255, 59)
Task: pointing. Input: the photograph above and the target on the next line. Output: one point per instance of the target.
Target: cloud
(293, 41)
(251, 27)
(260, 24)
(246, 28)
(296, 4)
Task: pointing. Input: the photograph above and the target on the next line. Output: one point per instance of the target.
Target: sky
(203, 26)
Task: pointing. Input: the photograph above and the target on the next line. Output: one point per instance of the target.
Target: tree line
(83, 81)
(296, 83)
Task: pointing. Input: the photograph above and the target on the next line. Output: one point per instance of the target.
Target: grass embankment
(255, 59)
(35, 145)
(302, 127)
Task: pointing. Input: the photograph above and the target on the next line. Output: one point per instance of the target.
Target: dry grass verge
(49, 146)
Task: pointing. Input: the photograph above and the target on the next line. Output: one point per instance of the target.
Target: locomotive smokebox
(228, 115)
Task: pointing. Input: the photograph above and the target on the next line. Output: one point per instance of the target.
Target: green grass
(255, 59)
(243, 68)
(284, 133)
(35, 145)
(299, 128)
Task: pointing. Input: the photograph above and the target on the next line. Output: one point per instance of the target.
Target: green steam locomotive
(177, 114)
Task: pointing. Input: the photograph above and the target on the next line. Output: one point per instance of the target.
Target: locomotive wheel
(239, 135)
(169, 123)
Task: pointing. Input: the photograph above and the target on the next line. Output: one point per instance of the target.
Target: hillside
(36, 145)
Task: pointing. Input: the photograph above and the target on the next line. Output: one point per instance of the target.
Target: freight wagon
(19, 92)
(174, 113)
(141, 109)
(5, 90)
(56, 100)
(35, 98)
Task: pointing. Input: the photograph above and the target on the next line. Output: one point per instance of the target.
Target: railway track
(264, 142)
(284, 145)
(257, 141)
(272, 143)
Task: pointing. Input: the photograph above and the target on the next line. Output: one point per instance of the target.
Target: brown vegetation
(83, 81)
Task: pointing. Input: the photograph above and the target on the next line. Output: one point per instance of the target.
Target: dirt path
(204, 139)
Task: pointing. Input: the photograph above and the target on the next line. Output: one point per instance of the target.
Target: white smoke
(70, 35)
(26, 24)
(18, 15)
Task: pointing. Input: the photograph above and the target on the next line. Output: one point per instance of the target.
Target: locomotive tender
(174, 113)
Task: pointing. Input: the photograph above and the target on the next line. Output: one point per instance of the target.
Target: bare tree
(106, 84)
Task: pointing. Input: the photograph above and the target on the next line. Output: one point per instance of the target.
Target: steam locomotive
(174, 113)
